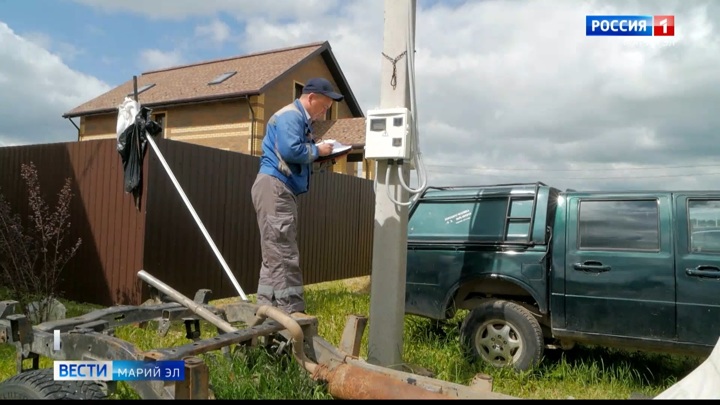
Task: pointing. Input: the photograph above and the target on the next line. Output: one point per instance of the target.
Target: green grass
(582, 373)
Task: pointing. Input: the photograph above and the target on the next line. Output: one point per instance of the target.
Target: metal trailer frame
(91, 337)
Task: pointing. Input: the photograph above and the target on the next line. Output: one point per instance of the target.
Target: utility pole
(387, 289)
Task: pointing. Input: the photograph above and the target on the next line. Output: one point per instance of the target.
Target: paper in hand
(338, 150)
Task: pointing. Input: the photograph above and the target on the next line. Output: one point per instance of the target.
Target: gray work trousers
(281, 282)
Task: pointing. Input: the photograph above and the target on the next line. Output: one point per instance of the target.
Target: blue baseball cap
(318, 85)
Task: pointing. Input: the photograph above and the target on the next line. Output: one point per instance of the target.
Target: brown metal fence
(111, 229)
(335, 230)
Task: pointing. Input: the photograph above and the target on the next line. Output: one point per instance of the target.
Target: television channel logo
(118, 370)
(630, 25)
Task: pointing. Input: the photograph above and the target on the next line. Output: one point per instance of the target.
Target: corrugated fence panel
(335, 228)
(102, 215)
(176, 251)
(335, 224)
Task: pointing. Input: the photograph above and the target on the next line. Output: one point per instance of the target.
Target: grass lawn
(582, 373)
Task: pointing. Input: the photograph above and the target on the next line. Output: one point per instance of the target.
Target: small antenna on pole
(135, 94)
(190, 207)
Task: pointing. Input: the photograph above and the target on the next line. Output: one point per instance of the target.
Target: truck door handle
(704, 271)
(591, 266)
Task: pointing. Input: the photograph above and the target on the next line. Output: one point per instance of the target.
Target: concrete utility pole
(387, 290)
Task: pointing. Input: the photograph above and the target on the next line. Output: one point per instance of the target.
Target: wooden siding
(98, 126)
(282, 92)
(223, 124)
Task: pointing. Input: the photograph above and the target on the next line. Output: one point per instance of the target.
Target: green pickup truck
(538, 267)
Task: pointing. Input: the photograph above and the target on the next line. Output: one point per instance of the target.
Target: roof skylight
(221, 78)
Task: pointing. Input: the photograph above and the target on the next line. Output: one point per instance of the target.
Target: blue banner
(619, 25)
(129, 370)
(119, 370)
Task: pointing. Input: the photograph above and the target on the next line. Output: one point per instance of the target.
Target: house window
(298, 89)
(355, 157)
(329, 112)
(160, 119)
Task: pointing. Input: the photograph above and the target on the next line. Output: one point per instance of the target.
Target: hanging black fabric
(132, 145)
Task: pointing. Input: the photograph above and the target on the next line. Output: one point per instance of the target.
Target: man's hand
(325, 149)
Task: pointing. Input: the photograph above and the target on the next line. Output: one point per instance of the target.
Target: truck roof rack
(536, 184)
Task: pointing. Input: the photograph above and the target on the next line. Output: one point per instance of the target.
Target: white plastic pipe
(197, 219)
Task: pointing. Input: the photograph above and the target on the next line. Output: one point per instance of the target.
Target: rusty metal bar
(352, 334)
(452, 390)
(482, 382)
(347, 381)
(115, 316)
(196, 383)
(21, 329)
(197, 308)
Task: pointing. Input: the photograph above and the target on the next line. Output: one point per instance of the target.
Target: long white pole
(197, 219)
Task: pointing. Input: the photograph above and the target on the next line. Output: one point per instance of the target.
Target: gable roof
(348, 131)
(189, 83)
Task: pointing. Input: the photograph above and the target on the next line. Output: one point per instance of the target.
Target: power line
(516, 169)
(606, 178)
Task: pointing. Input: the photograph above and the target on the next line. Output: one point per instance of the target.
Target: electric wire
(414, 130)
(520, 169)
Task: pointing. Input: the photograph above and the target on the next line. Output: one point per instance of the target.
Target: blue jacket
(288, 148)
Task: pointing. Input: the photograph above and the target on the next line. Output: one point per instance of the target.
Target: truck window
(467, 220)
(704, 225)
(619, 225)
(519, 219)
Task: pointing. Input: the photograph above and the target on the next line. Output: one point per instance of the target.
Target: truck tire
(39, 384)
(503, 334)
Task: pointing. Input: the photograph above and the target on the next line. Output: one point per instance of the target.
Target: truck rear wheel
(503, 334)
(39, 384)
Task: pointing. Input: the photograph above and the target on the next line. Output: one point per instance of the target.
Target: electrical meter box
(388, 135)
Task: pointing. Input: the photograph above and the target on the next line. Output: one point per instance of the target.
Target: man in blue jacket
(288, 152)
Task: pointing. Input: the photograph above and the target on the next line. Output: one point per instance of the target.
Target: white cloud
(515, 91)
(151, 59)
(40, 39)
(181, 9)
(355, 35)
(37, 88)
(216, 31)
(65, 50)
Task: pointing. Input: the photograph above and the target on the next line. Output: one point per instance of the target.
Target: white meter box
(387, 134)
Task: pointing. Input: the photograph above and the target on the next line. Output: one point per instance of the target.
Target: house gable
(236, 78)
(226, 103)
(285, 89)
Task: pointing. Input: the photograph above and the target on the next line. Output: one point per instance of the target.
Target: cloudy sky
(508, 91)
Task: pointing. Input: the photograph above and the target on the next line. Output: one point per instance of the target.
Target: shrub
(34, 254)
